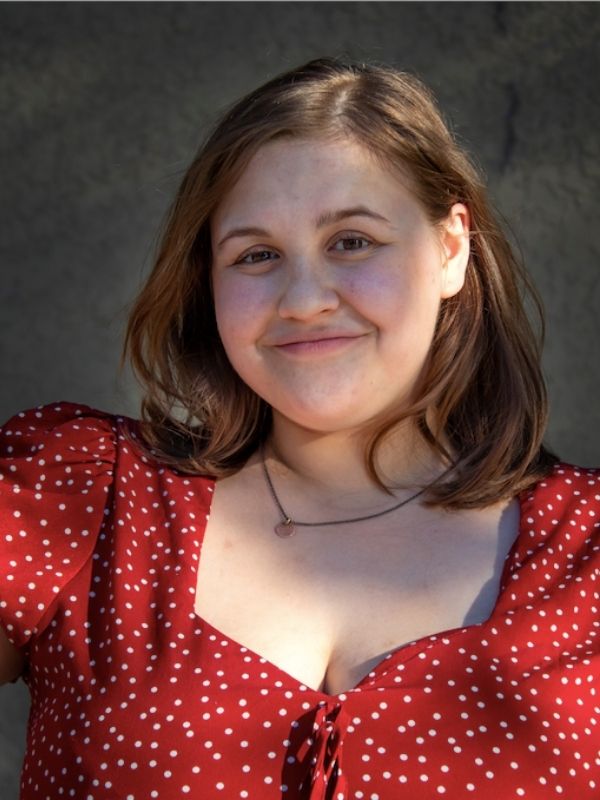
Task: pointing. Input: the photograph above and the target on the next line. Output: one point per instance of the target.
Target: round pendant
(285, 529)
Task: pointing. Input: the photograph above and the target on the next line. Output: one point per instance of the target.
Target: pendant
(285, 529)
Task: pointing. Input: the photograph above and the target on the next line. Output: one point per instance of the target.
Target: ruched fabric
(55, 478)
(325, 776)
(134, 696)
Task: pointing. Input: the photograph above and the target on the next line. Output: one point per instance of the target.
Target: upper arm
(12, 660)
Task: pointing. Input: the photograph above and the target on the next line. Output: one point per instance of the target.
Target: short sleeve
(56, 468)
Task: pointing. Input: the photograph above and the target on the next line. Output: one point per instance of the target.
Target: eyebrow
(327, 218)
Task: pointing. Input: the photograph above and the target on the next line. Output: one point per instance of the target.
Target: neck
(331, 466)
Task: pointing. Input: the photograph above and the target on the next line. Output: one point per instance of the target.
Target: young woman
(333, 559)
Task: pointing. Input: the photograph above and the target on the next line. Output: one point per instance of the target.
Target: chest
(326, 607)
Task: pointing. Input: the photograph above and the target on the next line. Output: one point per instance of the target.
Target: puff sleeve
(56, 468)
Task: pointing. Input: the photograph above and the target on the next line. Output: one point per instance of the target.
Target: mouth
(318, 346)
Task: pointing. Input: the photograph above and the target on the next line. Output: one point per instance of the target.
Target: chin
(324, 420)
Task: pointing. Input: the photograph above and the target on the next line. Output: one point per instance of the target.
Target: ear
(455, 248)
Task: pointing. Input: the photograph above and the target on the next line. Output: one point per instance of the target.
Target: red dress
(134, 696)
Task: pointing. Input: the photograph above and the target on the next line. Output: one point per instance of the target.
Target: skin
(329, 317)
(367, 287)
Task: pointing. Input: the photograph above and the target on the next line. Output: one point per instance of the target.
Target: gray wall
(102, 106)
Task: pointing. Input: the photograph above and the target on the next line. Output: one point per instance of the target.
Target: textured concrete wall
(102, 106)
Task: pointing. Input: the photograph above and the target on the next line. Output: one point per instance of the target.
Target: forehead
(295, 176)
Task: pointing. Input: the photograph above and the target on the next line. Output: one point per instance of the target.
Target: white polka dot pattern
(134, 696)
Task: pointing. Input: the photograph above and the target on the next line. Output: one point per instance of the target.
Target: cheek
(383, 292)
(239, 309)
(400, 297)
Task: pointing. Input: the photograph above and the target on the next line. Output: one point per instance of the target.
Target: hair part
(480, 402)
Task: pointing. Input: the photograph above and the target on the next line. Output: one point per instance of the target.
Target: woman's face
(327, 281)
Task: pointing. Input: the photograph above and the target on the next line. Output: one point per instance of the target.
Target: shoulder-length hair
(480, 402)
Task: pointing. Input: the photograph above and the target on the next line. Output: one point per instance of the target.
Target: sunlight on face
(328, 279)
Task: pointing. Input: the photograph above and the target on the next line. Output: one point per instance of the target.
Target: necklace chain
(287, 526)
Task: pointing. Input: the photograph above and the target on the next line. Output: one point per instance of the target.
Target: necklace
(287, 526)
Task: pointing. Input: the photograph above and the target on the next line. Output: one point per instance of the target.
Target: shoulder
(569, 485)
(56, 448)
(71, 446)
(62, 425)
(65, 433)
(564, 509)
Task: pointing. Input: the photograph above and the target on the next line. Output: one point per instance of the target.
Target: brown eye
(351, 243)
(256, 257)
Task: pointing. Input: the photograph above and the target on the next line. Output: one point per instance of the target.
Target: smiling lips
(317, 343)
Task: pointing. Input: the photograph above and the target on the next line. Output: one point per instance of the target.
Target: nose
(308, 291)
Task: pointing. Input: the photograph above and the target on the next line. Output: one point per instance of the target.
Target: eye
(351, 243)
(256, 257)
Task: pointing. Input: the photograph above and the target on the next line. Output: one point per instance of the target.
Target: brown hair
(482, 379)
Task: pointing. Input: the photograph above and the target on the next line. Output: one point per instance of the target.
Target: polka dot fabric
(134, 696)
